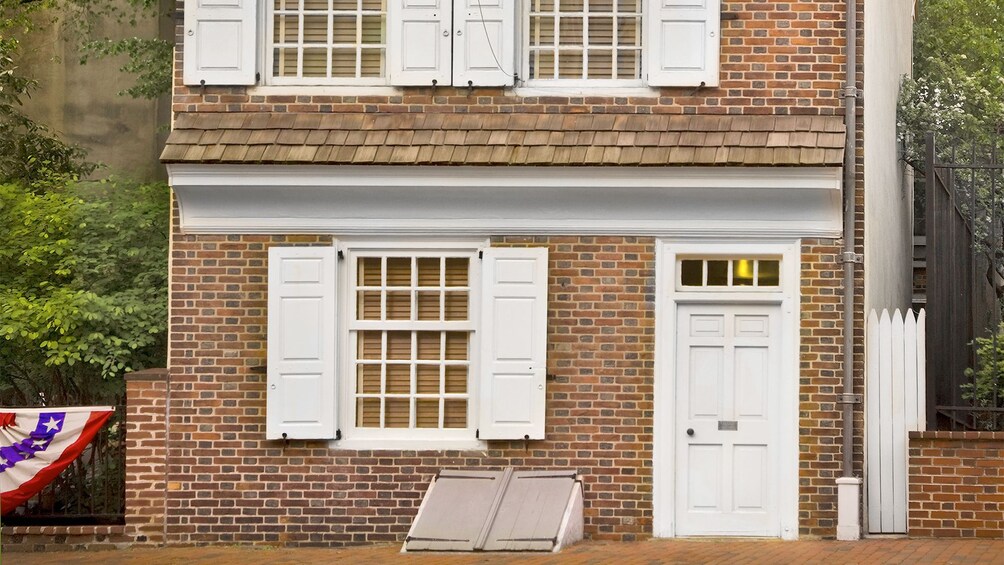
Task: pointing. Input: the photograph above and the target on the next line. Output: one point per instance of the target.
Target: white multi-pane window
(408, 341)
(411, 336)
(329, 41)
(464, 43)
(584, 39)
(744, 273)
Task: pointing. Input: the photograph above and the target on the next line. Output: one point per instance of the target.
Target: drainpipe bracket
(851, 257)
(849, 399)
(851, 92)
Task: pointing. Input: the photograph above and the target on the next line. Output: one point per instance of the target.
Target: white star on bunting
(52, 424)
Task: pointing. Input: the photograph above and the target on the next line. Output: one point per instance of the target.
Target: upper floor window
(584, 39)
(453, 42)
(329, 39)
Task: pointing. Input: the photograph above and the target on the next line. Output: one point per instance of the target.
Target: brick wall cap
(958, 436)
(159, 374)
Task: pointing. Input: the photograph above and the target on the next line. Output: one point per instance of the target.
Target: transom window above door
(729, 272)
(578, 43)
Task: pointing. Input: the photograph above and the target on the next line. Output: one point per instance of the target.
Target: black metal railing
(90, 491)
(964, 228)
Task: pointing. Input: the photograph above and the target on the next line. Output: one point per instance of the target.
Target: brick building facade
(628, 190)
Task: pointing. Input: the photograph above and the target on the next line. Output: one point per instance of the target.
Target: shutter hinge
(338, 434)
(257, 78)
(341, 255)
(851, 257)
(477, 433)
(481, 254)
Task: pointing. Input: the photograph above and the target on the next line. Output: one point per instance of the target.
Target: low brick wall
(144, 520)
(22, 539)
(956, 484)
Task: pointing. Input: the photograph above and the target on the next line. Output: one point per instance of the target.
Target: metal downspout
(849, 257)
(848, 486)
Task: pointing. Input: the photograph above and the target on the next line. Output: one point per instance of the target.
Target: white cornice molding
(426, 201)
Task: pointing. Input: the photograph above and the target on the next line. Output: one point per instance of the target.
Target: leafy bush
(986, 386)
(83, 292)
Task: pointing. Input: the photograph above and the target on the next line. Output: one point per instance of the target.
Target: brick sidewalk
(884, 551)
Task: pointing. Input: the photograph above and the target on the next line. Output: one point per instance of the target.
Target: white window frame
(730, 258)
(523, 54)
(403, 438)
(267, 56)
(640, 87)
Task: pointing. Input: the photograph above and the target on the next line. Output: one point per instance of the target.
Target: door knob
(690, 431)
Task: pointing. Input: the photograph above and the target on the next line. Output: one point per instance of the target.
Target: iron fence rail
(964, 228)
(90, 491)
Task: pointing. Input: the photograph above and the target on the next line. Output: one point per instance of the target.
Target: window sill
(359, 90)
(324, 90)
(404, 444)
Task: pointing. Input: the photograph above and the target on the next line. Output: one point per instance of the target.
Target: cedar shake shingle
(506, 139)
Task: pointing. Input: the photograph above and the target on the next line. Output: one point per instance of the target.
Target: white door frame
(667, 297)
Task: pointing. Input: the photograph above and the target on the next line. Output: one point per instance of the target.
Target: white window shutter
(484, 45)
(419, 38)
(300, 391)
(684, 42)
(220, 42)
(512, 389)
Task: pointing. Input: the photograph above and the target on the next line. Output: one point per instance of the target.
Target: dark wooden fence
(964, 229)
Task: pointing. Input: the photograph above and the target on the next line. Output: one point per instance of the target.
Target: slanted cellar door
(498, 511)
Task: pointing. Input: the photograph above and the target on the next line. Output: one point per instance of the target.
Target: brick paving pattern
(885, 551)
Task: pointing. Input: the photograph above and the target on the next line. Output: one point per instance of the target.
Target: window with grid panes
(585, 39)
(411, 341)
(329, 41)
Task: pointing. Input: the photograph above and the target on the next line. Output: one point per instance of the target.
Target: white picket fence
(895, 405)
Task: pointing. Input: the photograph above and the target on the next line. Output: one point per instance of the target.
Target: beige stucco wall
(888, 185)
(82, 104)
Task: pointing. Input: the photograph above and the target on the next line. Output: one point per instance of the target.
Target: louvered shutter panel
(513, 343)
(484, 50)
(220, 42)
(684, 42)
(419, 42)
(301, 343)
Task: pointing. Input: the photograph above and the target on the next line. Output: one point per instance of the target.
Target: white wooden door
(727, 420)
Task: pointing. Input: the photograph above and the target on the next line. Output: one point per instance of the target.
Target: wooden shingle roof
(504, 139)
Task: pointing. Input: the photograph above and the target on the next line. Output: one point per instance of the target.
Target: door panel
(726, 419)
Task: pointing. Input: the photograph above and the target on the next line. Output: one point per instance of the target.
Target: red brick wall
(956, 484)
(146, 398)
(227, 484)
(777, 57)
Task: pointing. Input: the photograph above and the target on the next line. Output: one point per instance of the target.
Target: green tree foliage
(986, 386)
(29, 152)
(958, 84)
(82, 296)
